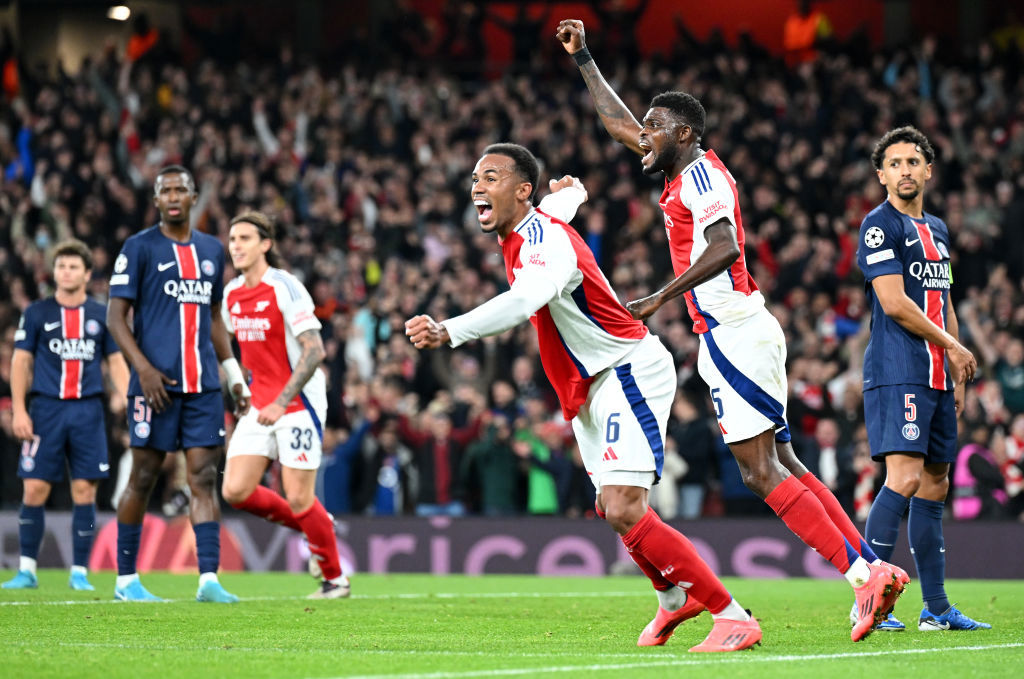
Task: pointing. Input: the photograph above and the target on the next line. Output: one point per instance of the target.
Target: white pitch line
(745, 658)
(399, 595)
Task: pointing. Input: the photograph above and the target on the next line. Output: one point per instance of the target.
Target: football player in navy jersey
(914, 368)
(58, 348)
(172, 278)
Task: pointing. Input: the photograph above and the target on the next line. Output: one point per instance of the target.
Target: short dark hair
(177, 169)
(264, 224)
(527, 166)
(73, 248)
(686, 106)
(907, 134)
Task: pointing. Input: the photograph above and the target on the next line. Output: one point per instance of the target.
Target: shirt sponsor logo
(874, 237)
(934, 275)
(250, 329)
(189, 291)
(536, 259)
(879, 256)
(712, 210)
(73, 349)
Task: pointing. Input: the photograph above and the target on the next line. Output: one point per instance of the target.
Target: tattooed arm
(309, 362)
(617, 119)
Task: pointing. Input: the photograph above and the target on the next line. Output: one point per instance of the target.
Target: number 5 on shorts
(719, 409)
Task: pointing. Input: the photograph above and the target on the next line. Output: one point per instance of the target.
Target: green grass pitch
(428, 627)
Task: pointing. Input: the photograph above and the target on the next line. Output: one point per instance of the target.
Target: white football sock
(671, 599)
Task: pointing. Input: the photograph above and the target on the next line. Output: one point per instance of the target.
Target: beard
(908, 194)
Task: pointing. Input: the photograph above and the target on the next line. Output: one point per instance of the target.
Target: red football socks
(266, 503)
(319, 530)
(834, 510)
(669, 553)
(805, 516)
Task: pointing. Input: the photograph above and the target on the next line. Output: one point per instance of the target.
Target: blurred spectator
(978, 491)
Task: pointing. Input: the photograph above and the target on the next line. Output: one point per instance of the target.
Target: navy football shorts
(73, 430)
(911, 418)
(189, 421)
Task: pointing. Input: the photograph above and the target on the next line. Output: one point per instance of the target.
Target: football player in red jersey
(271, 315)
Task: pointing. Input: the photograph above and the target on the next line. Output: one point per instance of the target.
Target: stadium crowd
(364, 159)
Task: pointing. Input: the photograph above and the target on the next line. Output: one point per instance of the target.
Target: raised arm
(617, 119)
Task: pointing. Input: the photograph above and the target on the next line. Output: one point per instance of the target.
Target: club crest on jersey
(120, 264)
(142, 430)
(911, 431)
(73, 349)
(941, 247)
(189, 291)
(92, 327)
(207, 267)
(874, 237)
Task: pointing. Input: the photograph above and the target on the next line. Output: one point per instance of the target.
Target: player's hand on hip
(21, 425)
(642, 308)
(270, 414)
(570, 34)
(425, 333)
(556, 185)
(241, 400)
(152, 382)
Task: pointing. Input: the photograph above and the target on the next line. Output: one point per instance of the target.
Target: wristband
(582, 56)
(234, 375)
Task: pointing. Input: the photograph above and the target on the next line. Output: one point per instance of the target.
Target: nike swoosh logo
(942, 550)
(908, 243)
(51, 326)
(880, 544)
(165, 266)
(104, 466)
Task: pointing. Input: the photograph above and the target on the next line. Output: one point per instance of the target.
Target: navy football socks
(924, 528)
(883, 525)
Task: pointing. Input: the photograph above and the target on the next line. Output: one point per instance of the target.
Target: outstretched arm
(506, 311)
(617, 119)
(722, 251)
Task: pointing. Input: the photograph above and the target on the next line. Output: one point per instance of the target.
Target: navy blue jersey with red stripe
(67, 344)
(172, 286)
(918, 250)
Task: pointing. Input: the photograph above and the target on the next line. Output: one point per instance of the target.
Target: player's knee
(761, 478)
(143, 478)
(235, 493)
(906, 484)
(202, 481)
(301, 501)
(623, 515)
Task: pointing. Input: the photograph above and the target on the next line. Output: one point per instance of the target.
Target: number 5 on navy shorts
(189, 421)
(911, 418)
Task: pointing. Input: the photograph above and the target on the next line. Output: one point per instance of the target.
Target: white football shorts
(745, 367)
(621, 427)
(295, 439)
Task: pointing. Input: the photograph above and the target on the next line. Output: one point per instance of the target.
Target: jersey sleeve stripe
(704, 173)
(289, 284)
(642, 411)
(698, 182)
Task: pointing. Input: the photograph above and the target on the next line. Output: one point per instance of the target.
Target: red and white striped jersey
(265, 320)
(582, 330)
(702, 194)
